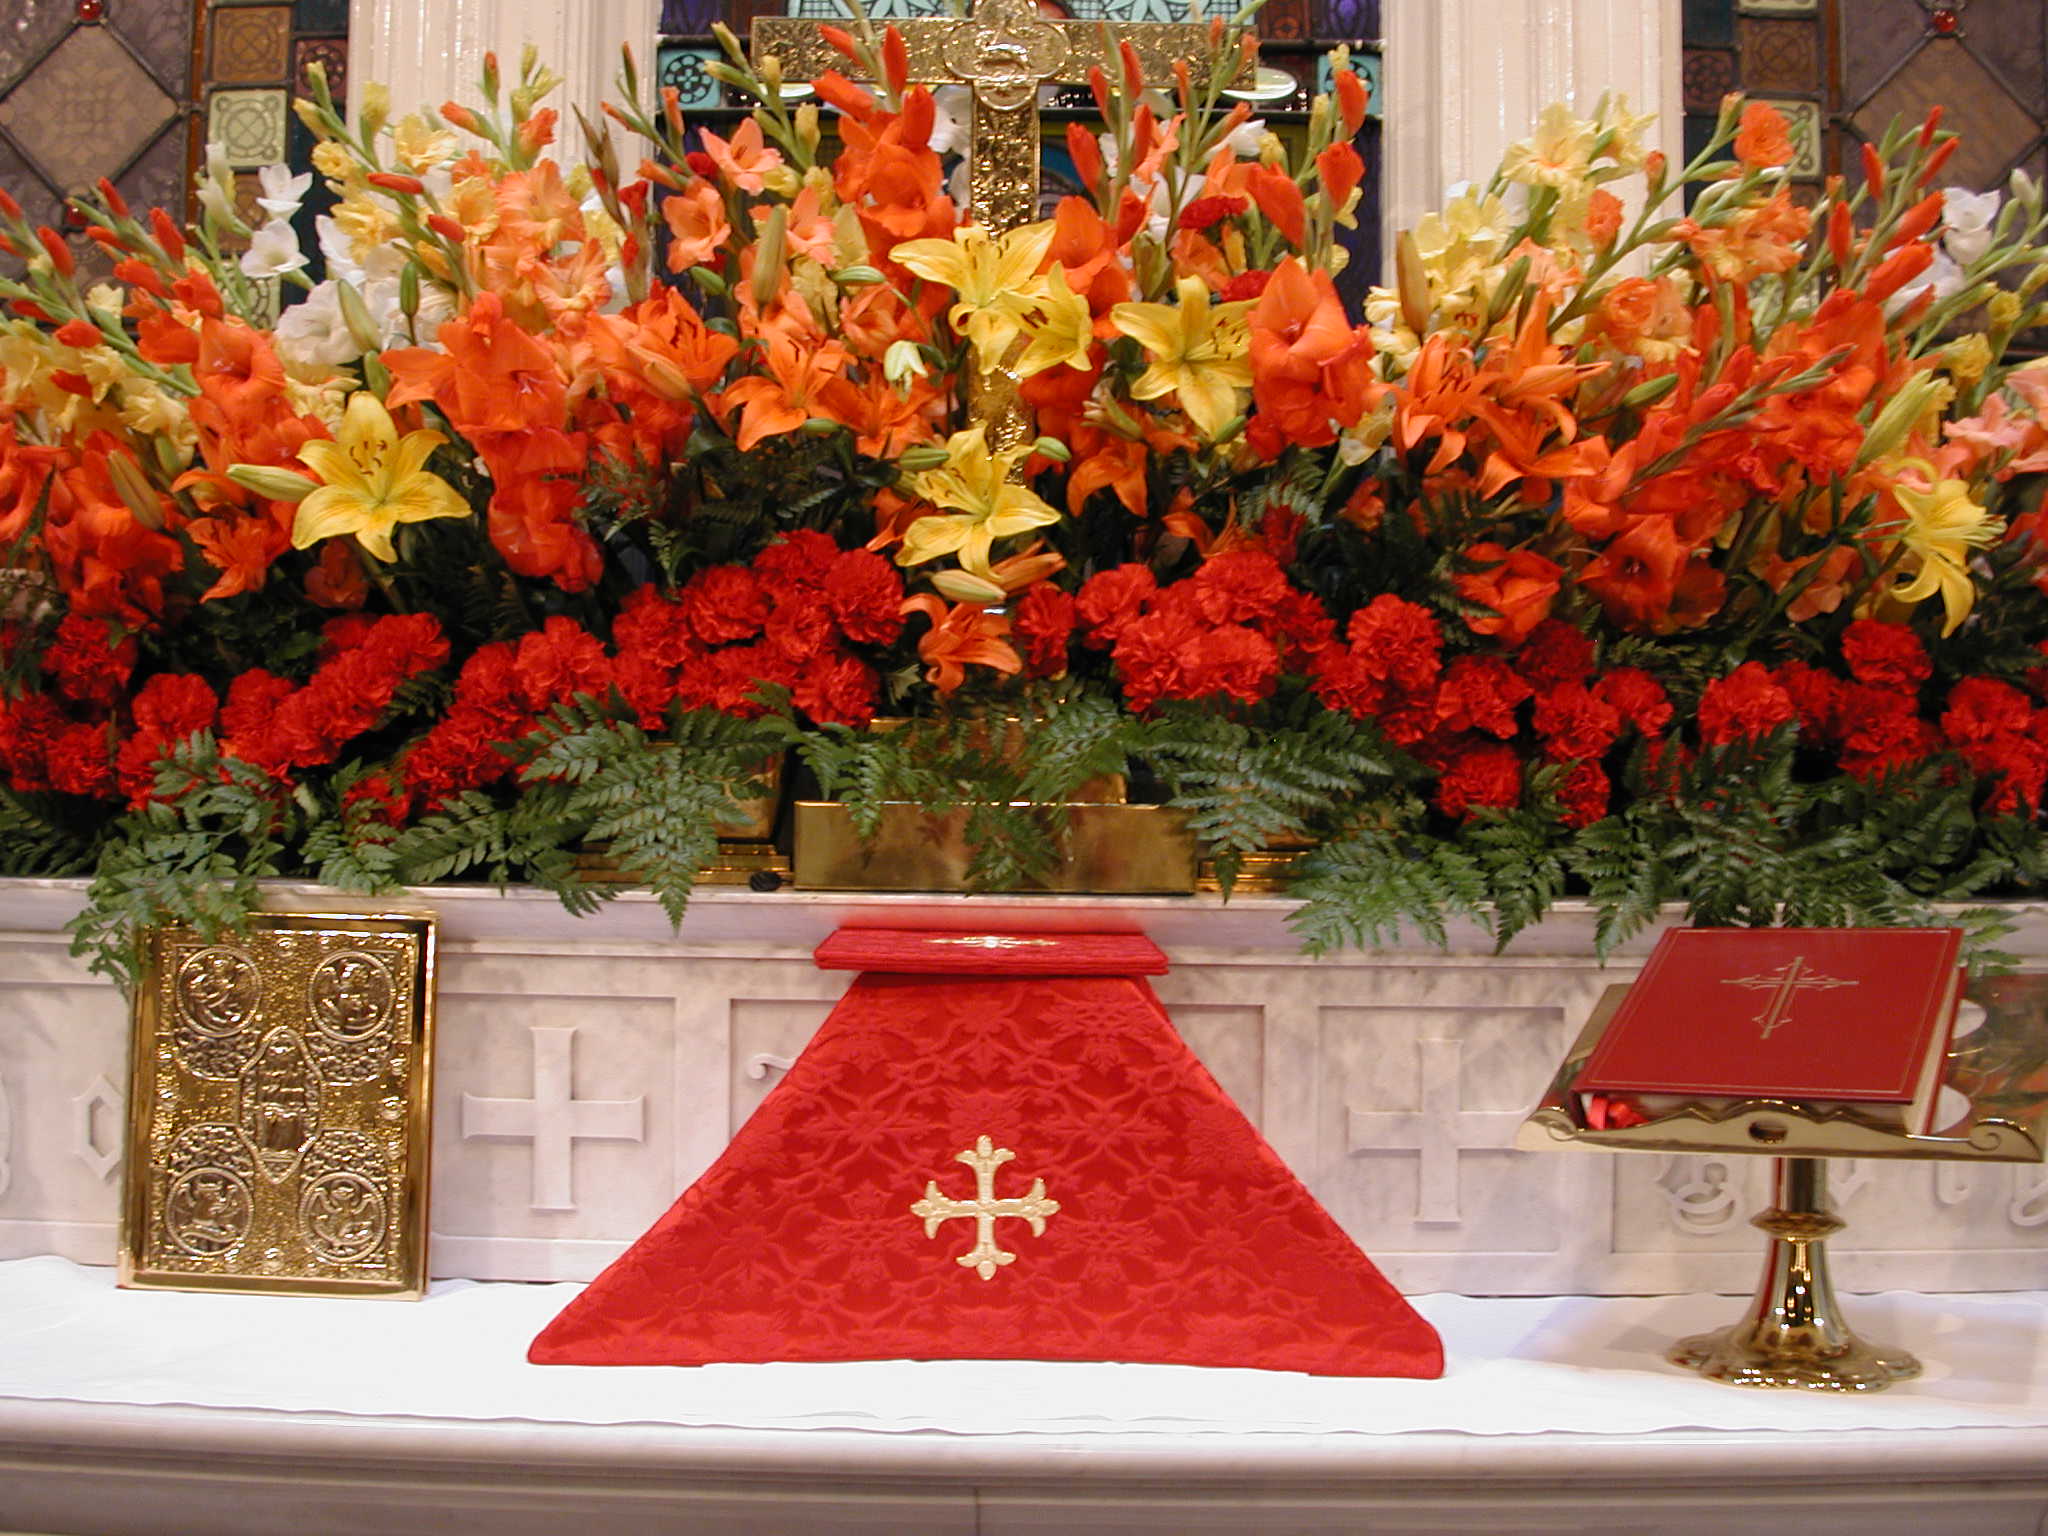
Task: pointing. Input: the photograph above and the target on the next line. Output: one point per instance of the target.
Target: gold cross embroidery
(1002, 52)
(1784, 985)
(996, 941)
(984, 1258)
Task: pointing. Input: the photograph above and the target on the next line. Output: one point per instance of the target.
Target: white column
(431, 51)
(1466, 78)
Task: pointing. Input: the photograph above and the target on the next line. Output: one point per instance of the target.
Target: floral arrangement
(1652, 536)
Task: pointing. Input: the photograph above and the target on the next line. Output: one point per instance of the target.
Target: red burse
(996, 1147)
(1855, 1015)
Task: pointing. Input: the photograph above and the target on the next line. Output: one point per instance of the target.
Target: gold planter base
(1120, 850)
(1794, 1335)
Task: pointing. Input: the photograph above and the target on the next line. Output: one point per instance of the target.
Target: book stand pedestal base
(1794, 1334)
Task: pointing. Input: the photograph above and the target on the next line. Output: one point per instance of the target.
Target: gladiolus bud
(59, 253)
(1897, 418)
(490, 81)
(1086, 155)
(391, 181)
(376, 109)
(111, 195)
(1184, 83)
(456, 115)
(1933, 121)
(79, 333)
(1352, 101)
(355, 314)
(842, 40)
(8, 205)
(273, 484)
(904, 361)
(167, 234)
(1098, 82)
(1873, 170)
(1918, 220)
(895, 61)
(1654, 166)
(1840, 231)
(805, 120)
(1943, 153)
(1134, 72)
(447, 228)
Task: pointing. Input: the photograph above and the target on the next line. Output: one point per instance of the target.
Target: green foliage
(1364, 887)
(38, 838)
(193, 855)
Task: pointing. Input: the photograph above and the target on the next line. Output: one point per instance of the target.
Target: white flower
(273, 251)
(1944, 277)
(214, 198)
(282, 191)
(218, 171)
(313, 335)
(952, 105)
(1244, 139)
(1968, 216)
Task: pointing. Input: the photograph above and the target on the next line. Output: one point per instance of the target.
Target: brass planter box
(1112, 850)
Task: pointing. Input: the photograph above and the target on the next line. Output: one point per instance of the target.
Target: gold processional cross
(1784, 985)
(1003, 53)
(984, 1157)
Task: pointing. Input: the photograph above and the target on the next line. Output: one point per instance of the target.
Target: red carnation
(866, 596)
(1575, 722)
(1233, 661)
(2016, 767)
(1480, 693)
(1638, 696)
(1043, 621)
(724, 604)
(86, 662)
(1817, 696)
(488, 682)
(1981, 708)
(1398, 640)
(1555, 653)
(1488, 774)
(799, 559)
(1246, 285)
(837, 689)
(1301, 626)
(1242, 586)
(1747, 702)
(652, 627)
(1109, 600)
(646, 685)
(79, 763)
(28, 728)
(1207, 212)
(799, 626)
(1890, 654)
(382, 795)
(1582, 794)
(175, 704)
(559, 661)
(245, 719)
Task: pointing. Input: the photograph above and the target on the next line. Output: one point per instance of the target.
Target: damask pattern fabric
(1179, 1236)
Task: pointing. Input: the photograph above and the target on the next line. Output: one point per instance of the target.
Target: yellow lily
(1066, 333)
(1197, 351)
(986, 505)
(994, 279)
(371, 480)
(1942, 526)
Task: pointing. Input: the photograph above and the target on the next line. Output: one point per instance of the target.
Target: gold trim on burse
(280, 1108)
(984, 1157)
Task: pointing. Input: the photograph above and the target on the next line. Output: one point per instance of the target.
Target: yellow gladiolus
(371, 480)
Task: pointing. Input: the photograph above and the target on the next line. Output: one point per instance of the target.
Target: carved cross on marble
(1437, 1132)
(554, 1119)
(1003, 53)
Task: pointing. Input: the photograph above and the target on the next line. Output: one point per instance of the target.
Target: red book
(1851, 1016)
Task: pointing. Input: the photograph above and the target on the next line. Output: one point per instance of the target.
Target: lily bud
(1053, 449)
(770, 252)
(920, 457)
(1411, 282)
(857, 276)
(275, 484)
(966, 587)
(1649, 392)
(135, 491)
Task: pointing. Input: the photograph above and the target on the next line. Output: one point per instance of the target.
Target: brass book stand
(1793, 1334)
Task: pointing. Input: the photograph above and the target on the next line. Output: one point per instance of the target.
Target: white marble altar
(588, 1070)
(130, 1412)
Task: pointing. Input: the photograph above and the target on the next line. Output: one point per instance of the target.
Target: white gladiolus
(951, 107)
(313, 334)
(1968, 216)
(273, 251)
(282, 191)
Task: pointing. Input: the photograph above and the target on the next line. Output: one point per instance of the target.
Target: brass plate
(735, 863)
(1122, 850)
(2001, 1067)
(281, 1084)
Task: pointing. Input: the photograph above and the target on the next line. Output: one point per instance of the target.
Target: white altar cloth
(1515, 1366)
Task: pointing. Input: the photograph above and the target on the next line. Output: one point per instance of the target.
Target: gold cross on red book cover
(1784, 985)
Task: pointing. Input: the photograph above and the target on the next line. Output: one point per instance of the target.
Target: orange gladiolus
(492, 376)
(697, 225)
(1518, 585)
(1636, 577)
(964, 636)
(1298, 326)
(1763, 139)
(745, 159)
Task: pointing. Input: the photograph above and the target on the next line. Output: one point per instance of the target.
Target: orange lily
(966, 635)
